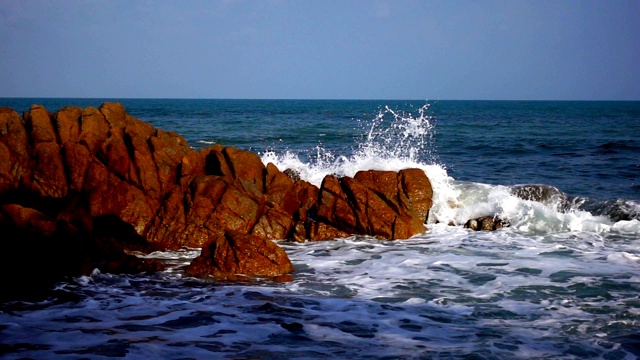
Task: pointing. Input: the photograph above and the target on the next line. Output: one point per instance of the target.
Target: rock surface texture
(101, 183)
(486, 223)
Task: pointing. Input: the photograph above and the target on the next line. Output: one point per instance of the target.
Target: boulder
(239, 256)
(334, 207)
(385, 204)
(548, 195)
(486, 223)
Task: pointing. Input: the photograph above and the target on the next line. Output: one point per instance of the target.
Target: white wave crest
(396, 140)
(393, 141)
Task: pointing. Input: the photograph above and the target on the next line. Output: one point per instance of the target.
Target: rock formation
(486, 223)
(80, 173)
(548, 195)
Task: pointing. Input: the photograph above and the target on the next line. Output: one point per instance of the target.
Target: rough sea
(562, 282)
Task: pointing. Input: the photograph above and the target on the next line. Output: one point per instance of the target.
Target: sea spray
(392, 140)
(396, 139)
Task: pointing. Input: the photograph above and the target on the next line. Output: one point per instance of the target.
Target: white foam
(628, 227)
(397, 140)
(392, 141)
(624, 258)
(464, 200)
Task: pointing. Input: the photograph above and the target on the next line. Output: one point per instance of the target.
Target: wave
(395, 140)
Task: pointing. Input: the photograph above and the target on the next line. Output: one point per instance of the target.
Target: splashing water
(395, 139)
(407, 137)
(392, 140)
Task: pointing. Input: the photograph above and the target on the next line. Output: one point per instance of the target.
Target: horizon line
(306, 99)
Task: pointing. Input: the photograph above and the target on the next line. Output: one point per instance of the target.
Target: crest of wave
(393, 140)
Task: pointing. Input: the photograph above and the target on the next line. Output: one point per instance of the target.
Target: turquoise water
(562, 282)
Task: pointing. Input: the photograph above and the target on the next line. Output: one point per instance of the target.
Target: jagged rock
(151, 187)
(275, 224)
(548, 195)
(321, 232)
(385, 204)
(333, 205)
(238, 256)
(486, 223)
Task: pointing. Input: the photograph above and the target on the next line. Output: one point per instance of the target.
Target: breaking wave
(394, 140)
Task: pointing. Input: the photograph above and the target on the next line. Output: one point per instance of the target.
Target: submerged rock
(548, 195)
(486, 223)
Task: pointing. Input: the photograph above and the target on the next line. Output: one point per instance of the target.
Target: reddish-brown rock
(41, 249)
(334, 207)
(408, 190)
(235, 255)
(27, 219)
(94, 129)
(275, 224)
(318, 231)
(168, 195)
(78, 159)
(14, 147)
(278, 186)
(384, 204)
(67, 124)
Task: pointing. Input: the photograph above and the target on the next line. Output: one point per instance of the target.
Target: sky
(307, 49)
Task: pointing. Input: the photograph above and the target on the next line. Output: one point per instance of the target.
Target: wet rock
(298, 233)
(275, 224)
(318, 231)
(146, 189)
(238, 256)
(278, 187)
(617, 210)
(292, 174)
(384, 204)
(333, 205)
(548, 195)
(486, 223)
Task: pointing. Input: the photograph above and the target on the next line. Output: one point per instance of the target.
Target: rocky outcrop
(162, 194)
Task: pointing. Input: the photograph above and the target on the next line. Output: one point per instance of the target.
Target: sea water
(561, 282)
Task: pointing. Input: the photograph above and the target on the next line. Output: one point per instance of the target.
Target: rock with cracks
(94, 181)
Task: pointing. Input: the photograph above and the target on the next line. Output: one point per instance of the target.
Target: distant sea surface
(562, 282)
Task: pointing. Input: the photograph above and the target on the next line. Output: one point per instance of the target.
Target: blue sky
(396, 49)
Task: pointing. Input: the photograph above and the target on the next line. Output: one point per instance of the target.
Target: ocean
(561, 282)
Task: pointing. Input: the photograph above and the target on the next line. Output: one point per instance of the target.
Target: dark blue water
(554, 285)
